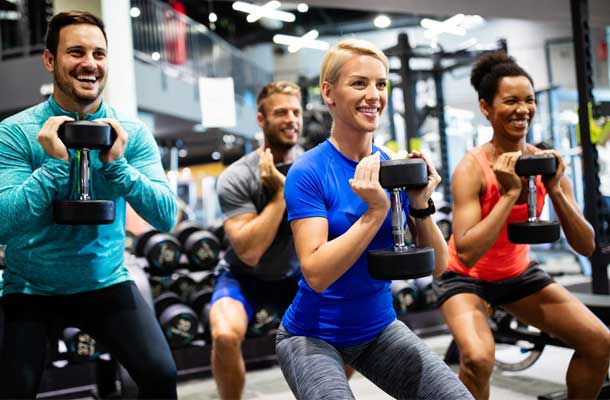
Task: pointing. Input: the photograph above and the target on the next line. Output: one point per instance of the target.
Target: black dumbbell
(405, 296)
(427, 296)
(402, 261)
(85, 136)
(183, 286)
(201, 246)
(161, 250)
(178, 321)
(264, 321)
(534, 230)
(80, 345)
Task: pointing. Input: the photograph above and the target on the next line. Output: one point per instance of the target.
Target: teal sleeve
(138, 176)
(26, 195)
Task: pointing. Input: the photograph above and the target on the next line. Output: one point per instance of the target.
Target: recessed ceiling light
(134, 12)
(213, 17)
(302, 7)
(382, 21)
(155, 56)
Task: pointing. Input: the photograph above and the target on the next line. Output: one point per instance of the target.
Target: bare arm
(322, 261)
(577, 229)
(252, 234)
(475, 236)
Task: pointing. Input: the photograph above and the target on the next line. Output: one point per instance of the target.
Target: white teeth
(89, 78)
(368, 110)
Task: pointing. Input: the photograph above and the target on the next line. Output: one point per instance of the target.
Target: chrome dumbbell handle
(531, 198)
(84, 174)
(398, 230)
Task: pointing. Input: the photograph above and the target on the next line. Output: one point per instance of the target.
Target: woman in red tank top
(485, 268)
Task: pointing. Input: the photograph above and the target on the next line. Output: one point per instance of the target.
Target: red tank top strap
(490, 178)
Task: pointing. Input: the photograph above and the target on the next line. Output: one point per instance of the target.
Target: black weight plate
(179, 324)
(536, 164)
(165, 300)
(162, 251)
(142, 240)
(408, 173)
(83, 212)
(184, 229)
(199, 299)
(387, 264)
(533, 232)
(202, 249)
(86, 134)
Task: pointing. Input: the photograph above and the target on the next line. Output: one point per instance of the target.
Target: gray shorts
(397, 361)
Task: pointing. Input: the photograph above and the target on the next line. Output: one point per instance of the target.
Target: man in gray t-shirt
(261, 266)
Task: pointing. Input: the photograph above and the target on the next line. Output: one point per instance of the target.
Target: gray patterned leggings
(397, 361)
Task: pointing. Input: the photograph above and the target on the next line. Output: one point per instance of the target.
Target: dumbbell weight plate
(533, 232)
(178, 321)
(264, 321)
(388, 264)
(404, 296)
(536, 164)
(185, 229)
(81, 346)
(200, 298)
(83, 212)
(407, 173)
(86, 134)
(202, 249)
(183, 286)
(163, 253)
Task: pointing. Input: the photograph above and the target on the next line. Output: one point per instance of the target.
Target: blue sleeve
(25, 194)
(304, 193)
(140, 179)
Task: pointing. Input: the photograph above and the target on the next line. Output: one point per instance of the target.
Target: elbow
(466, 259)
(315, 284)
(587, 249)
(171, 217)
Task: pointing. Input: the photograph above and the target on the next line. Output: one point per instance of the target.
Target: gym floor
(545, 376)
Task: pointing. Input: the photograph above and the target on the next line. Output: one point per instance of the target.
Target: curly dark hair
(488, 71)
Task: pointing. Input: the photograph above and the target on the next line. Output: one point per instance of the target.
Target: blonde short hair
(277, 87)
(342, 52)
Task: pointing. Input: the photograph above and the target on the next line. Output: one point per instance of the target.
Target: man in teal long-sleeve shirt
(59, 274)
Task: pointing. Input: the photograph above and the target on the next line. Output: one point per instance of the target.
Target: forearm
(332, 259)
(255, 237)
(151, 198)
(429, 235)
(578, 231)
(21, 206)
(476, 241)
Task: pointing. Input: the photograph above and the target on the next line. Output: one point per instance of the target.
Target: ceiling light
(155, 56)
(212, 17)
(451, 25)
(268, 10)
(134, 12)
(382, 21)
(296, 43)
(302, 7)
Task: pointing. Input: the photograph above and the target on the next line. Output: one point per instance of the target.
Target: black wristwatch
(423, 212)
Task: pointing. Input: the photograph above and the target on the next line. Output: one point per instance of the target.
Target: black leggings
(116, 316)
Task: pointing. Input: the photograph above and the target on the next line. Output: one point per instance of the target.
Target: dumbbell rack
(193, 362)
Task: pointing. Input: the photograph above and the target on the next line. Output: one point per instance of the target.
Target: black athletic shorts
(495, 293)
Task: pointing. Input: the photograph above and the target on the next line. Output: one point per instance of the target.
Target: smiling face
(282, 120)
(79, 66)
(513, 107)
(359, 95)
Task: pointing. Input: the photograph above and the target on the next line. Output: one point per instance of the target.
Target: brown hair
(277, 87)
(64, 19)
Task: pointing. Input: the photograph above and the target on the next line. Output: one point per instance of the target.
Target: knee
(226, 340)
(598, 348)
(477, 363)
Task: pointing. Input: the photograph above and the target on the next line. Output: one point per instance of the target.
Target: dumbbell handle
(531, 198)
(398, 230)
(84, 174)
